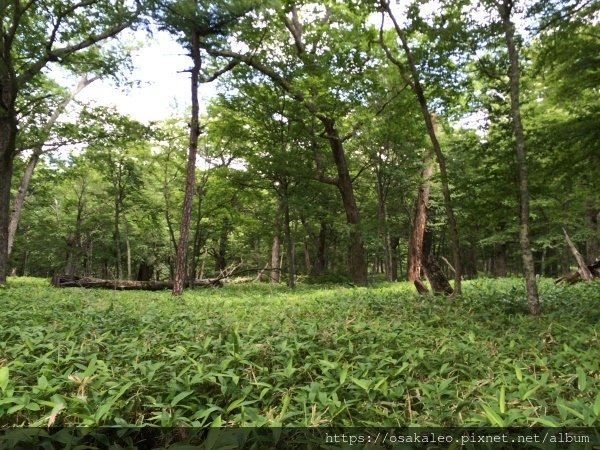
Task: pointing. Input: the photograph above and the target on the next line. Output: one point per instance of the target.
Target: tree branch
(63, 52)
(231, 65)
(295, 28)
(388, 52)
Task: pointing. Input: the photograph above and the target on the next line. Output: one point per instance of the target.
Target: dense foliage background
(266, 182)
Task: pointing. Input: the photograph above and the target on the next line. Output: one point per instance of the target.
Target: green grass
(259, 355)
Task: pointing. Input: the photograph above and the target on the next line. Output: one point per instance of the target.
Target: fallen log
(65, 281)
(574, 277)
(584, 272)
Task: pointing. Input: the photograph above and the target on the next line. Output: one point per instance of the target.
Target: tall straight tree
(32, 34)
(505, 9)
(417, 87)
(195, 22)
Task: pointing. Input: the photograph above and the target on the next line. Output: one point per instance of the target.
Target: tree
(505, 9)
(194, 21)
(416, 84)
(33, 34)
(39, 148)
(120, 145)
(326, 65)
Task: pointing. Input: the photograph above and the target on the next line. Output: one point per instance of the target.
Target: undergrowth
(322, 355)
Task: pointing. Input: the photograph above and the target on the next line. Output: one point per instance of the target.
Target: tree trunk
(6, 166)
(289, 241)
(145, 271)
(221, 253)
(74, 241)
(117, 239)
(199, 240)
(19, 200)
(307, 262)
(321, 257)
(8, 131)
(499, 260)
(515, 111)
(128, 249)
(382, 216)
(437, 279)
(441, 160)
(357, 254)
(415, 244)
(584, 271)
(190, 180)
(592, 245)
(276, 248)
(275, 258)
(394, 241)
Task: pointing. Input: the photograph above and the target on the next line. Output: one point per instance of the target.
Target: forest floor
(256, 354)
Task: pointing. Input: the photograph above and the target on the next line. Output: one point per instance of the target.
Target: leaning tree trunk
(584, 271)
(437, 149)
(515, 112)
(190, 180)
(19, 200)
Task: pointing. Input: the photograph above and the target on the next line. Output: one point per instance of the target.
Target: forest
(428, 162)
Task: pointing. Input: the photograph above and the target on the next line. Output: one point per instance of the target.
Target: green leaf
(42, 382)
(545, 421)
(15, 408)
(102, 410)
(284, 404)
(597, 405)
(518, 373)
(180, 397)
(530, 392)
(239, 402)
(502, 399)
(4, 378)
(492, 416)
(217, 422)
(364, 384)
(566, 408)
(32, 406)
(581, 379)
